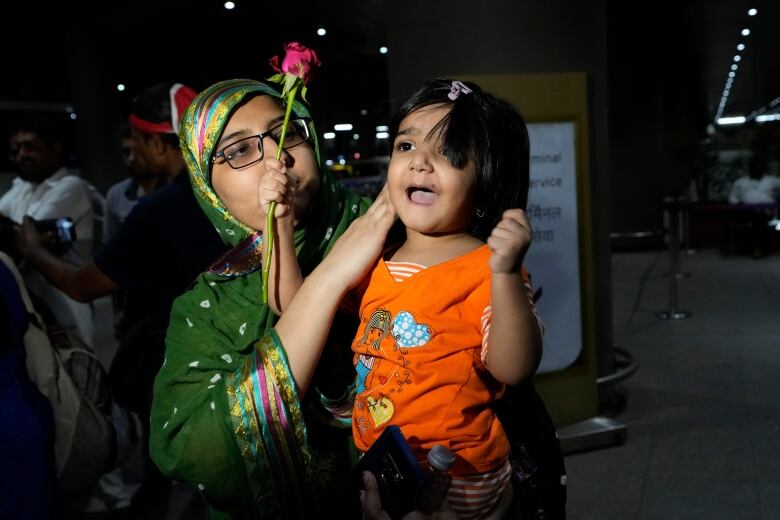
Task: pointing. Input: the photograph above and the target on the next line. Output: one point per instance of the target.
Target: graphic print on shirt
(363, 368)
(408, 333)
(377, 376)
(377, 328)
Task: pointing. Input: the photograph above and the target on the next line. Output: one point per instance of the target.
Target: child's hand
(509, 242)
(276, 186)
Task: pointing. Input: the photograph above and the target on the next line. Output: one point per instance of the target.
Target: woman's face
(239, 190)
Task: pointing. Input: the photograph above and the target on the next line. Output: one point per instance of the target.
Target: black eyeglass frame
(268, 133)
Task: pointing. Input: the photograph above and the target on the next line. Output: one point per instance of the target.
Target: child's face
(374, 334)
(429, 194)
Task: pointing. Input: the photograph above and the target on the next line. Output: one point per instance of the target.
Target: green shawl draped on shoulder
(226, 415)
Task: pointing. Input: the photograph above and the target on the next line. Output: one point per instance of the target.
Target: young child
(447, 316)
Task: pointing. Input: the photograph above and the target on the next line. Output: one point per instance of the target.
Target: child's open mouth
(421, 195)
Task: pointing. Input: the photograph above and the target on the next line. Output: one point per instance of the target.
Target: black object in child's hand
(398, 474)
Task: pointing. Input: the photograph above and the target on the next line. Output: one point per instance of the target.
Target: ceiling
(719, 25)
(140, 42)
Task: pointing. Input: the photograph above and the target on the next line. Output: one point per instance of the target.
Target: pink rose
(298, 61)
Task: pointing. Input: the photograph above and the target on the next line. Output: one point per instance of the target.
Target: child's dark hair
(487, 130)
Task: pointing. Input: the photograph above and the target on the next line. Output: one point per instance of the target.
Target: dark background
(656, 72)
(665, 64)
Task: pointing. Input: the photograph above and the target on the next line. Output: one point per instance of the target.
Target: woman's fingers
(370, 503)
(357, 249)
(382, 211)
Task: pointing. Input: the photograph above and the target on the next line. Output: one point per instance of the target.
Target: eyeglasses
(249, 150)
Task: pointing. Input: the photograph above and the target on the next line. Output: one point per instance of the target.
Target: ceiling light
(230, 5)
(342, 127)
(382, 128)
(73, 115)
(120, 87)
(383, 50)
(741, 47)
(355, 136)
(732, 74)
(734, 66)
(737, 57)
(752, 12)
(329, 135)
(745, 32)
(767, 117)
(382, 135)
(734, 120)
(321, 31)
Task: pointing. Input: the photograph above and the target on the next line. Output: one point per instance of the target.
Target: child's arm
(285, 276)
(514, 342)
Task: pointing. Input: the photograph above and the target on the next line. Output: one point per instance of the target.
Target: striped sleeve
(487, 315)
(400, 271)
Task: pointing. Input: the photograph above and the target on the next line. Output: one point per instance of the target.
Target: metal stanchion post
(674, 260)
(682, 223)
(687, 230)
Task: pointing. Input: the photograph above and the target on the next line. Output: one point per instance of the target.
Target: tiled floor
(703, 410)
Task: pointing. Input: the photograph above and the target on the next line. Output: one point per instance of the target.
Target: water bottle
(437, 480)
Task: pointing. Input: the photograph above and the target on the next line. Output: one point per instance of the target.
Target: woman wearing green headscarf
(229, 414)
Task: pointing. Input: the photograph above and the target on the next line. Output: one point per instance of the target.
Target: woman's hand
(509, 242)
(276, 186)
(355, 252)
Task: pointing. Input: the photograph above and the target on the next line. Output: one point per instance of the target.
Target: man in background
(45, 189)
(163, 244)
(758, 187)
(122, 197)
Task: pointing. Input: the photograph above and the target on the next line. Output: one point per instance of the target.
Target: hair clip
(457, 88)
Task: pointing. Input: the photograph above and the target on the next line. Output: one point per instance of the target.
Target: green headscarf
(226, 415)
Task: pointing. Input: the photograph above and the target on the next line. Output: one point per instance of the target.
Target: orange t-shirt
(417, 356)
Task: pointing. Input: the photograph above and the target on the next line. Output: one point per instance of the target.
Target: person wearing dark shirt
(159, 250)
(165, 242)
(122, 197)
